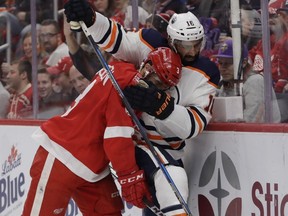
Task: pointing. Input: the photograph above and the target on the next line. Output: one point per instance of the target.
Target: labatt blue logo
(13, 161)
(11, 188)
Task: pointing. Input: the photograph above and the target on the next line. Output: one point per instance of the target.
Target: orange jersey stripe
(204, 74)
(198, 120)
(154, 137)
(113, 37)
(157, 137)
(175, 145)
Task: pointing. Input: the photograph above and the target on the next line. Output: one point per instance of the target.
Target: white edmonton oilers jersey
(193, 95)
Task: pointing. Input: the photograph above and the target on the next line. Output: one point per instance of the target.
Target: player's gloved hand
(134, 188)
(79, 10)
(151, 100)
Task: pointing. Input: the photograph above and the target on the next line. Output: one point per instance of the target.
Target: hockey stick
(134, 117)
(153, 208)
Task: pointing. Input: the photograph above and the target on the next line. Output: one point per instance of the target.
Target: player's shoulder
(124, 72)
(204, 63)
(153, 38)
(208, 67)
(120, 65)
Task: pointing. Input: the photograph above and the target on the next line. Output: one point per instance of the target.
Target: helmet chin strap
(146, 73)
(143, 70)
(171, 44)
(203, 43)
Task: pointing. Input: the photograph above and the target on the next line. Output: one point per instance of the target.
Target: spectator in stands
(251, 29)
(4, 98)
(26, 45)
(15, 29)
(283, 12)
(27, 49)
(282, 97)
(78, 81)
(279, 50)
(61, 74)
(283, 16)
(148, 5)
(218, 9)
(178, 6)
(123, 14)
(44, 10)
(4, 71)
(159, 22)
(24, 33)
(253, 85)
(105, 7)
(19, 80)
(50, 102)
(229, 86)
(193, 6)
(212, 35)
(255, 4)
(51, 39)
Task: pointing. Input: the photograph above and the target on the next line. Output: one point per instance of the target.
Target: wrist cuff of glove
(165, 109)
(90, 22)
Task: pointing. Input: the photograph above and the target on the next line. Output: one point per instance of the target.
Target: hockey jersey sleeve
(85, 64)
(128, 46)
(118, 143)
(194, 99)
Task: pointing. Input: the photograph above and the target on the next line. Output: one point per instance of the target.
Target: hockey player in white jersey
(193, 95)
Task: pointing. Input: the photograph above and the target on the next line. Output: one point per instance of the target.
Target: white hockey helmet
(185, 27)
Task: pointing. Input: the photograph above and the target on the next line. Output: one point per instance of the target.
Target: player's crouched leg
(49, 193)
(99, 198)
(160, 188)
(168, 202)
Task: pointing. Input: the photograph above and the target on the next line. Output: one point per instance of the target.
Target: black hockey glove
(79, 10)
(151, 100)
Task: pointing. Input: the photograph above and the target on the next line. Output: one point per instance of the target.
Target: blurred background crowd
(59, 82)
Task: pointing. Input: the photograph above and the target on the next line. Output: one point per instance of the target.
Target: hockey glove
(151, 100)
(134, 188)
(79, 10)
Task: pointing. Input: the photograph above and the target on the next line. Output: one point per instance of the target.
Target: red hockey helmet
(167, 65)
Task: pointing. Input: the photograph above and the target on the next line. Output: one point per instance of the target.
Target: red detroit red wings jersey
(21, 104)
(96, 129)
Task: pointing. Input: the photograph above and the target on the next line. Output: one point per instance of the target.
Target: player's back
(79, 134)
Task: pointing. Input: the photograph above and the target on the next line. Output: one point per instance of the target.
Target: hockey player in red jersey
(77, 147)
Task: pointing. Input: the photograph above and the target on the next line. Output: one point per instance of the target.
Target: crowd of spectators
(59, 82)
